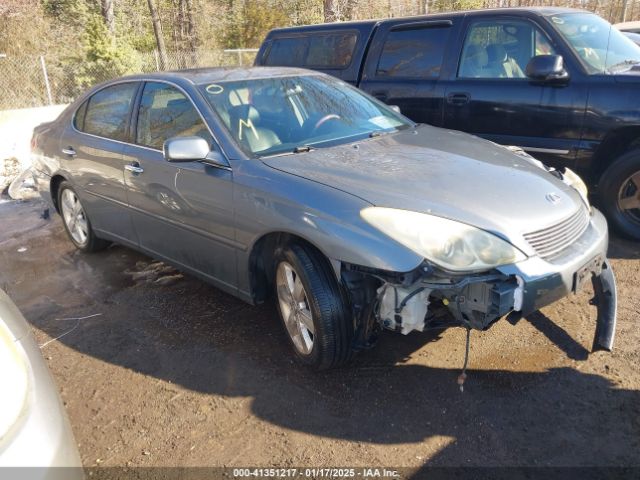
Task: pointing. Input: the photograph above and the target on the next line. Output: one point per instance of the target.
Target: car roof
(359, 24)
(200, 76)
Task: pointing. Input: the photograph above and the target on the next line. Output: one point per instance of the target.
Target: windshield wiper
(621, 65)
(303, 149)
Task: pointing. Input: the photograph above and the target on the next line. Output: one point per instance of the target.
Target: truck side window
(287, 52)
(501, 49)
(413, 53)
(331, 51)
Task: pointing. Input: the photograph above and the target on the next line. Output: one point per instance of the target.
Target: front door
(182, 212)
(490, 96)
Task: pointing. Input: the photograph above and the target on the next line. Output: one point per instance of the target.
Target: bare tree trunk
(623, 14)
(106, 6)
(157, 31)
(330, 11)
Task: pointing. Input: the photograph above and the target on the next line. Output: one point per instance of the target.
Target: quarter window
(501, 49)
(164, 113)
(107, 111)
(413, 53)
(287, 52)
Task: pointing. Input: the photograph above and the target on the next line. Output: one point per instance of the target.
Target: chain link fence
(35, 81)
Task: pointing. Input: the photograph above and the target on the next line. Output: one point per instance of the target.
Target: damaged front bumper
(515, 291)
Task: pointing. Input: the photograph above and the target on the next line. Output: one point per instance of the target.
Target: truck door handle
(134, 168)
(458, 98)
(69, 151)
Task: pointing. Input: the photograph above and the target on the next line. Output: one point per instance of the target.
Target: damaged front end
(429, 298)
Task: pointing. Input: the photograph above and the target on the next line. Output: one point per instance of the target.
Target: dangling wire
(463, 376)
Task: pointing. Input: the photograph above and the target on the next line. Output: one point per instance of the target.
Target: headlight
(14, 379)
(452, 245)
(573, 180)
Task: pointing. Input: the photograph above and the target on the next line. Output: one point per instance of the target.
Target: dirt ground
(170, 371)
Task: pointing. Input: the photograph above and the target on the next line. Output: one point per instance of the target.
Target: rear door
(405, 64)
(92, 146)
(181, 211)
(489, 95)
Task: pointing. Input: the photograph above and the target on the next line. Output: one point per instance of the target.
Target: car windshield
(602, 47)
(271, 116)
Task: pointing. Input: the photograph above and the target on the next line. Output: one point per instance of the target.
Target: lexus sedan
(289, 183)
(34, 430)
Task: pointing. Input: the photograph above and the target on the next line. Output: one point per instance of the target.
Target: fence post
(46, 79)
(239, 57)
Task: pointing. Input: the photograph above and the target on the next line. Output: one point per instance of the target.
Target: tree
(157, 31)
(108, 13)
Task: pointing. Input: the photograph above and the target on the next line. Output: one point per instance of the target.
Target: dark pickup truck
(560, 83)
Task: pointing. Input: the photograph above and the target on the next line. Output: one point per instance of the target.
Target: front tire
(76, 222)
(619, 191)
(312, 308)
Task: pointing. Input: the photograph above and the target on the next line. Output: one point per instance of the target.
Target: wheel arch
(54, 185)
(260, 260)
(615, 144)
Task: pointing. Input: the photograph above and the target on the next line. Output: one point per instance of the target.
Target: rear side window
(413, 53)
(165, 112)
(330, 51)
(287, 52)
(107, 111)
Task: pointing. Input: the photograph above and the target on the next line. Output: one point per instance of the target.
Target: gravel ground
(172, 372)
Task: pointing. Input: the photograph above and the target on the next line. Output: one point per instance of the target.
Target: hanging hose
(463, 376)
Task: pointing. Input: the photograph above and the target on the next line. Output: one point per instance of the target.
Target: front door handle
(134, 168)
(69, 151)
(458, 98)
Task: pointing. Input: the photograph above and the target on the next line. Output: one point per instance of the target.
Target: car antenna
(463, 376)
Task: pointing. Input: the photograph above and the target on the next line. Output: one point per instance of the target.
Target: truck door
(490, 96)
(405, 64)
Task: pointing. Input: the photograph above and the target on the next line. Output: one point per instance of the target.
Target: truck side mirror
(547, 69)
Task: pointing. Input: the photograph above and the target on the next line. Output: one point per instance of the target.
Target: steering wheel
(325, 119)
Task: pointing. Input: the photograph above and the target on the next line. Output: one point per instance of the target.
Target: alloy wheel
(294, 307)
(74, 217)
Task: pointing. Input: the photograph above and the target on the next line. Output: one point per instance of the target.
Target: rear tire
(619, 192)
(76, 222)
(312, 307)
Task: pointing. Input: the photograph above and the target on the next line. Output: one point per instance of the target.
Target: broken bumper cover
(542, 282)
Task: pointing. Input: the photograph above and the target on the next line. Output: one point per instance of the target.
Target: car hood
(444, 173)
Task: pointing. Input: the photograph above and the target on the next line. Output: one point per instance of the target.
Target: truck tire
(76, 222)
(312, 307)
(619, 192)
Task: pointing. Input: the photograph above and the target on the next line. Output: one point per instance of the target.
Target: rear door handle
(69, 151)
(134, 168)
(458, 98)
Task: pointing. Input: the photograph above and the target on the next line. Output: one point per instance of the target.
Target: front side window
(269, 116)
(501, 49)
(413, 53)
(106, 113)
(602, 47)
(165, 112)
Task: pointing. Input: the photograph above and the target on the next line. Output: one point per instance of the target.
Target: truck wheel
(76, 222)
(312, 308)
(619, 191)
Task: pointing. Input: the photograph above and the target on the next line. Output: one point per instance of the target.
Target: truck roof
(368, 24)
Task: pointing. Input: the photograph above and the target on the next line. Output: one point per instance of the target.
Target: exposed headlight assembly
(573, 180)
(452, 245)
(14, 378)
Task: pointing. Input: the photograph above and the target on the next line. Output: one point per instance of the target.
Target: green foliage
(104, 57)
(249, 21)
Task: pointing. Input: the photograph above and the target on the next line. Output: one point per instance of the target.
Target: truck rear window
(330, 51)
(413, 53)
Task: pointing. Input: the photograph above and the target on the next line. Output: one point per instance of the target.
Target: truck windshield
(271, 116)
(602, 47)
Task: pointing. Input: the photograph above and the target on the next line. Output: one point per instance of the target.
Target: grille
(548, 242)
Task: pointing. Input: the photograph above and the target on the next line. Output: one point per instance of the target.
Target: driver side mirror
(547, 69)
(192, 149)
(395, 108)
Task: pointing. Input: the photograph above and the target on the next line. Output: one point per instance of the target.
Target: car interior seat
(474, 61)
(245, 126)
(500, 64)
